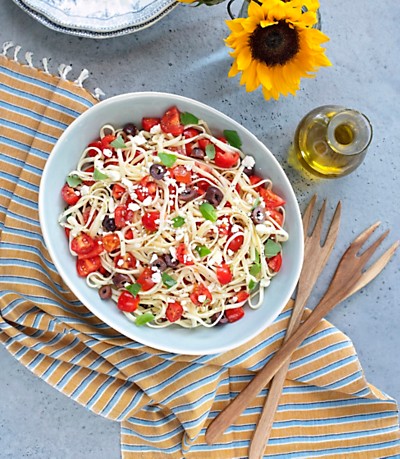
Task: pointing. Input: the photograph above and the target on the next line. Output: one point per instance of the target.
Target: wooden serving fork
(316, 255)
(350, 276)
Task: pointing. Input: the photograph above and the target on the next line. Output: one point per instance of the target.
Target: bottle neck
(349, 132)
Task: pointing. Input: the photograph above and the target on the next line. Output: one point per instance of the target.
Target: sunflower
(275, 46)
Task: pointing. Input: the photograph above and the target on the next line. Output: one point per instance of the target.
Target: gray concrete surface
(185, 54)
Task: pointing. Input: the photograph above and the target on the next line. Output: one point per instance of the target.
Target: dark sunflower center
(275, 44)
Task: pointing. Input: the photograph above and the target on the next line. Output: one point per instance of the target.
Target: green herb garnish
(252, 285)
(118, 143)
(233, 138)
(271, 248)
(202, 250)
(74, 180)
(134, 288)
(168, 281)
(255, 269)
(188, 118)
(256, 203)
(257, 259)
(208, 211)
(97, 175)
(144, 318)
(210, 151)
(178, 222)
(167, 158)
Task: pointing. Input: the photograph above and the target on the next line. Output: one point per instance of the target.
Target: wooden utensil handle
(231, 412)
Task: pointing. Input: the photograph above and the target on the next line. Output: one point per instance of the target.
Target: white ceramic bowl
(132, 107)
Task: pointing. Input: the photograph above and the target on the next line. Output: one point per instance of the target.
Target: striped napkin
(163, 401)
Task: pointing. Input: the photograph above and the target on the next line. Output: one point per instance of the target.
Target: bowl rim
(77, 291)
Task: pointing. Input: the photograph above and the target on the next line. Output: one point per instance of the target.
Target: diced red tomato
(127, 261)
(145, 279)
(181, 174)
(148, 123)
(111, 242)
(82, 244)
(224, 274)
(236, 243)
(277, 216)
(122, 215)
(225, 159)
(67, 232)
(235, 314)
(86, 216)
(97, 250)
(200, 291)
(171, 123)
(87, 265)
(151, 220)
(275, 262)
(182, 255)
(242, 296)
(118, 191)
(95, 144)
(106, 140)
(203, 143)
(127, 302)
(174, 311)
(147, 187)
(70, 196)
(129, 234)
(254, 179)
(89, 182)
(271, 199)
(190, 132)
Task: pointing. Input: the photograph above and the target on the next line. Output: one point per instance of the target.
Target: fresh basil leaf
(202, 250)
(210, 151)
(256, 203)
(271, 248)
(168, 281)
(97, 175)
(208, 211)
(167, 158)
(144, 318)
(74, 180)
(178, 222)
(257, 259)
(188, 118)
(134, 288)
(252, 285)
(118, 142)
(255, 269)
(233, 138)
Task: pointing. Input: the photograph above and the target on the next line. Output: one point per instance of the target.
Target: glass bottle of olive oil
(331, 141)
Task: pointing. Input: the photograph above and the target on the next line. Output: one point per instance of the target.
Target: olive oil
(331, 141)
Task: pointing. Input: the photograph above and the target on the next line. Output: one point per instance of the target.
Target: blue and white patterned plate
(97, 18)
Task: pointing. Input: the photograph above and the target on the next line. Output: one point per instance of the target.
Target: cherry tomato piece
(82, 244)
(127, 302)
(203, 143)
(151, 220)
(235, 314)
(88, 265)
(181, 174)
(190, 132)
(97, 250)
(118, 191)
(106, 140)
(236, 243)
(67, 232)
(111, 242)
(148, 123)
(174, 311)
(122, 215)
(225, 159)
(224, 274)
(242, 296)
(171, 123)
(70, 196)
(145, 279)
(200, 295)
(271, 199)
(182, 255)
(127, 261)
(275, 262)
(92, 145)
(147, 187)
(277, 216)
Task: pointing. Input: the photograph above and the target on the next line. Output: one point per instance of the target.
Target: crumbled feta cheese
(172, 251)
(262, 229)
(188, 167)
(84, 190)
(133, 206)
(115, 176)
(120, 262)
(156, 277)
(153, 257)
(139, 139)
(248, 162)
(201, 298)
(147, 201)
(230, 252)
(77, 193)
(107, 153)
(236, 229)
(234, 299)
(157, 159)
(265, 282)
(156, 129)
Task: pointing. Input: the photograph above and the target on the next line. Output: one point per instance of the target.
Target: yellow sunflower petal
(243, 59)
